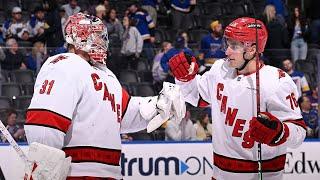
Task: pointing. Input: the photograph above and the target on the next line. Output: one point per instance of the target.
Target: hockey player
(230, 88)
(79, 106)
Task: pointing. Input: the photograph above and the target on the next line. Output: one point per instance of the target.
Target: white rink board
(179, 161)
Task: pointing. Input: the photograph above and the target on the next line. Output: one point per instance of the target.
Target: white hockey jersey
(81, 109)
(233, 101)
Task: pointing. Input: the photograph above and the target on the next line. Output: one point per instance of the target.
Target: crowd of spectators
(145, 34)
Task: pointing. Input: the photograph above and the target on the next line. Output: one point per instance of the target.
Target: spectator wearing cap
(71, 8)
(13, 26)
(179, 46)
(14, 59)
(211, 47)
(36, 24)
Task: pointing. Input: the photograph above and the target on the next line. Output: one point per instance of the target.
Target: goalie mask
(89, 34)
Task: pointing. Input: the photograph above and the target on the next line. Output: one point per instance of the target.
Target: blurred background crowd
(143, 36)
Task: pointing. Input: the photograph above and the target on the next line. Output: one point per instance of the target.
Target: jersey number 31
(46, 87)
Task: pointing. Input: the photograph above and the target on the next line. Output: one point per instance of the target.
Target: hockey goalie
(79, 110)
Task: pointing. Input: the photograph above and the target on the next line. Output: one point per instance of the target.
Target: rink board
(179, 161)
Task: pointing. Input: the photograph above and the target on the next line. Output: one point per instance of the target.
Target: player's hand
(268, 129)
(169, 105)
(183, 66)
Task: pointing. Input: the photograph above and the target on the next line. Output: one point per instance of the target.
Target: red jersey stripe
(202, 103)
(125, 101)
(93, 154)
(246, 166)
(47, 118)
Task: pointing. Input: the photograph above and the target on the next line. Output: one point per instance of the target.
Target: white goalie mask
(89, 34)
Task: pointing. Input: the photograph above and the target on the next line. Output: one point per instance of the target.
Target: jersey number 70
(293, 101)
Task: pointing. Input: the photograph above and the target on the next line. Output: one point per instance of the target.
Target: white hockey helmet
(89, 34)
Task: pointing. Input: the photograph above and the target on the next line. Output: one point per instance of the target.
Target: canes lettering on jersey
(231, 114)
(98, 86)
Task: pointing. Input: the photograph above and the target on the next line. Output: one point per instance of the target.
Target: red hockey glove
(268, 129)
(183, 66)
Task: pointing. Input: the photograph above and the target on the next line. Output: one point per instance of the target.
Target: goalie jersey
(82, 109)
(233, 101)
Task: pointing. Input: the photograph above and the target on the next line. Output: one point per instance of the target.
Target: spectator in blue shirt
(151, 7)
(211, 45)
(298, 77)
(182, 13)
(310, 116)
(178, 47)
(36, 24)
(146, 27)
(36, 58)
(13, 26)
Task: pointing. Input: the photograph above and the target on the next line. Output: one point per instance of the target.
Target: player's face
(234, 53)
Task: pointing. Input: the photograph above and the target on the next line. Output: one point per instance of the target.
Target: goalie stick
(13, 143)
